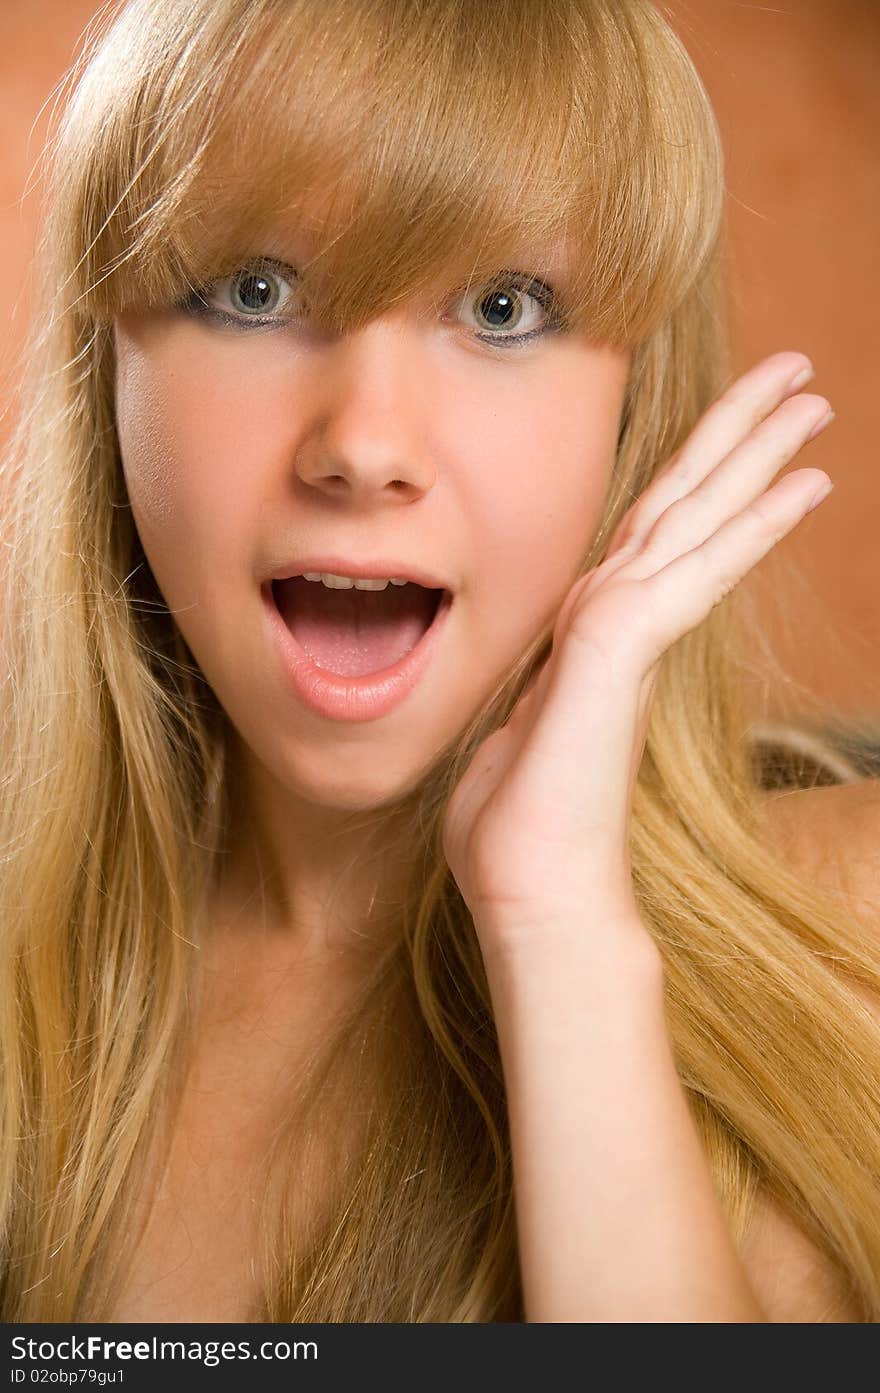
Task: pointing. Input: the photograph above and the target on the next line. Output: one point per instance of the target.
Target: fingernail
(820, 425)
(803, 377)
(821, 493)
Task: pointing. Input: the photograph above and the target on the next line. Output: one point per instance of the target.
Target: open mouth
(353, 632)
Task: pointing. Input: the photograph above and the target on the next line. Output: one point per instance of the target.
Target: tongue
(353, 632)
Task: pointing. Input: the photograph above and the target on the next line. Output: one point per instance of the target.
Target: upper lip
(380, 569)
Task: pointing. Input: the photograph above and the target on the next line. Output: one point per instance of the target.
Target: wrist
(605, 944)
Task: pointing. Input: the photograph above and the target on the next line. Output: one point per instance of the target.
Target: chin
(353, 783)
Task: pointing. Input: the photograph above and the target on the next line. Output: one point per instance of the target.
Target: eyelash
(197, 305)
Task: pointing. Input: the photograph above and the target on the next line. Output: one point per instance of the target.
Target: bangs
(414, 146)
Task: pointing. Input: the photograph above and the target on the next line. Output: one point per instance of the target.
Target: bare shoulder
(793, 1280)
(831, 836)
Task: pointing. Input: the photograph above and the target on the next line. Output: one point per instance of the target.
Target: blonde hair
(425, 143)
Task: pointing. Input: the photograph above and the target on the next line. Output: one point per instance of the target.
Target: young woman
(421, 952)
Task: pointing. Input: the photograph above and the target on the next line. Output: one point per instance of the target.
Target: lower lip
(363, 698)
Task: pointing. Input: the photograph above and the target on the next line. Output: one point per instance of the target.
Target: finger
(720, 429)
(684, 591)
(742, 477)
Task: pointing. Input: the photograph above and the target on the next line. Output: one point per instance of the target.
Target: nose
(368, 441)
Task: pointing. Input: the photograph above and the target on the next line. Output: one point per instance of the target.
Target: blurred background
(796, 87)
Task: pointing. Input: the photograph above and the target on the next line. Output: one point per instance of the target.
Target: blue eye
(254, 293)
(508, 303)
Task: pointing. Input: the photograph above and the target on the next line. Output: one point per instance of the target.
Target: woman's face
(412, 439)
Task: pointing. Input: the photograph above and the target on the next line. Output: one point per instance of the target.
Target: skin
(411, 438)
(544, 809)
(610, 1174)
(241, 450)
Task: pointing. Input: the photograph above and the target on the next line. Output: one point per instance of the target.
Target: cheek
(182, 440)
(536, 503)
(148, 459)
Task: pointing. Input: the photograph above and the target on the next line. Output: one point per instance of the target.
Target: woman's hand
(538, 827)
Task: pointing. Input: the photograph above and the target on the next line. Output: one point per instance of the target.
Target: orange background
(796, 87)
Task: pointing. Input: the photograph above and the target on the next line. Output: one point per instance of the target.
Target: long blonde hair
(426, 140)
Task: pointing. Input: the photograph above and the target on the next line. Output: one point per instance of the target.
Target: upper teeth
(346, 582)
